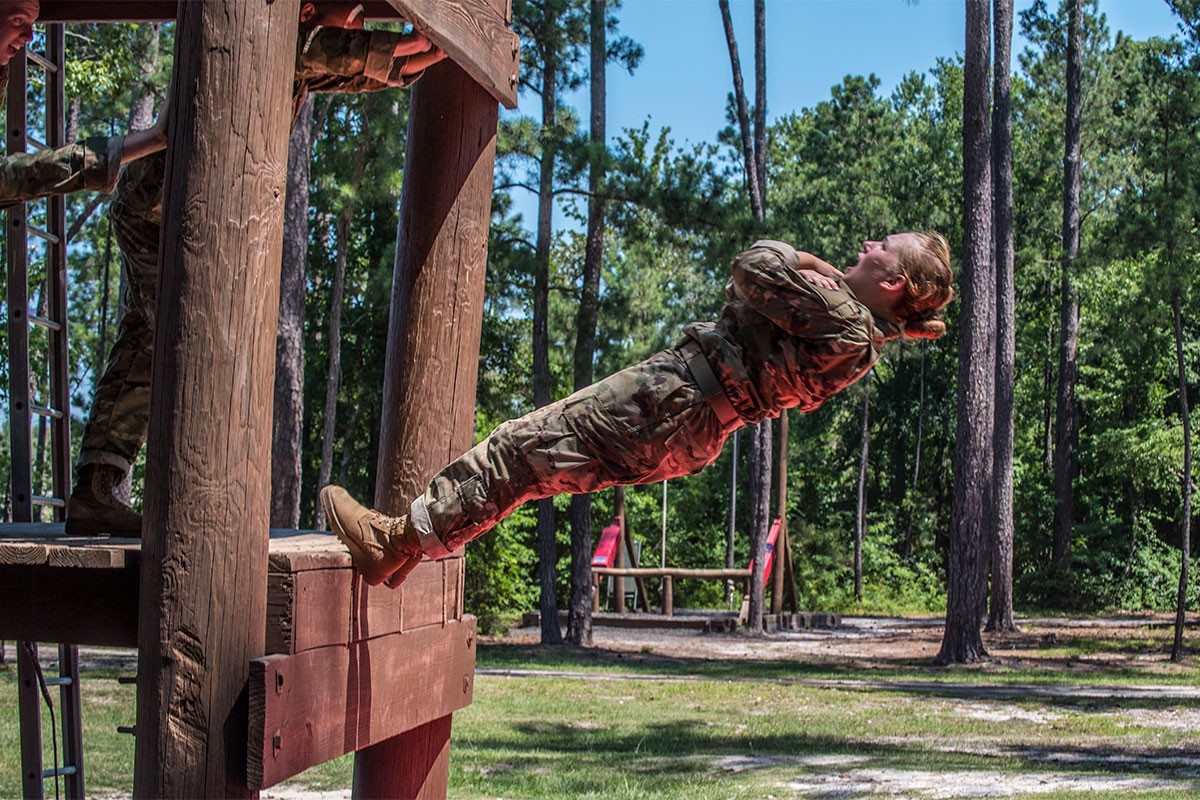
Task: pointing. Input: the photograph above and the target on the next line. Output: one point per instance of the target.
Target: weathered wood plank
(310, 707)
(83, 555)
(419, 766)
(68, 604)
(157, 10)
(475, 36)
(23, 553)
(424, 601)
(204, 566)
(304, 550)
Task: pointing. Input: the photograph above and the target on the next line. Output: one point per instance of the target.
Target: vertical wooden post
(433, 349)
(668, 596)
(618, 604)
(204, 562)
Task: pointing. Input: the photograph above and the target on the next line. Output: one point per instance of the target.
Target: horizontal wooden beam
(319, 607)
(672, 572)
(41, 603)
(476, 35)
(155, 10)
(308, 708)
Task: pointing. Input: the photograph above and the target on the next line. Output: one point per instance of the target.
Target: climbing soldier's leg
(116, 427)
(641, 425)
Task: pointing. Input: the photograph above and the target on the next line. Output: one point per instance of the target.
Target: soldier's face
(16, 26)
(333, 14)
(875, 279)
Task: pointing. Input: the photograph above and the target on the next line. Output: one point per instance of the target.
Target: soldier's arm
(769, 279)
(91, 164)
(342, 59)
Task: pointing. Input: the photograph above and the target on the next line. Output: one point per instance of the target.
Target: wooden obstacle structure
(209, 597)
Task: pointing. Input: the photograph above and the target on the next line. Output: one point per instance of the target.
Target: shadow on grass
(673, 753)
(996, 672)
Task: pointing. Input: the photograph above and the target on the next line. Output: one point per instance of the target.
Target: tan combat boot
(94, 507)
(379, 546)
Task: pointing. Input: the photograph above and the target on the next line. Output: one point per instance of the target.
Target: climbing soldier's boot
(94, 507)
(380, 546)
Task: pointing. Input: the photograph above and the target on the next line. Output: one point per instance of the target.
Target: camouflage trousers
(116, 427)
(644, 424)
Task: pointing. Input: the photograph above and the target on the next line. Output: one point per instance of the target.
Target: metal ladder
(53, 410)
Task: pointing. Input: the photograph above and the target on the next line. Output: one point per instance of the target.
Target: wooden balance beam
(668, 575)
(348, 665)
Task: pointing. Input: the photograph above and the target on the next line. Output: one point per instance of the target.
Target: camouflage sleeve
(91, 164)
(767, 279)
(339, 59)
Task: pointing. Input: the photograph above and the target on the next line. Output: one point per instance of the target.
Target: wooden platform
(348, 665)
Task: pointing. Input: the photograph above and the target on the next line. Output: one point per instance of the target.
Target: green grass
(748, 729)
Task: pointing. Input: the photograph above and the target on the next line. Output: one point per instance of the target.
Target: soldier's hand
(411, 44)
(817, 279)
(421, 61)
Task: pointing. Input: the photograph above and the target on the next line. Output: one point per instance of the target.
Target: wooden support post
(619, 562)
(668, 596)
(204, 565)
(781, 542)
(642, 599)
(595, 593)
(433, 349)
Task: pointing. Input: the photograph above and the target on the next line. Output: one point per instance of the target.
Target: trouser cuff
(419, 518)
(101, 457)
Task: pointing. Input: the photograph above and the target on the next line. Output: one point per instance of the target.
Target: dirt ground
(1128, 642)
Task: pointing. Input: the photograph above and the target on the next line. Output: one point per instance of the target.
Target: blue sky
(685, 76)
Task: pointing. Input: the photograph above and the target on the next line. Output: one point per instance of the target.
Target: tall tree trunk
(760, 516)
(1185, 526)
(910, 491)
(287, 421)
(760, 101)
(860, 516)
(1066, 428)
(71, 125)
(334, 375)
(579, 614)
(547, 549)
(961, 642)
(731, 528)
(1000, 610)
(141, 107)
(754, 154)
(743, 114)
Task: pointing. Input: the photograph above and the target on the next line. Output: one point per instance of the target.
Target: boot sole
(357, 554)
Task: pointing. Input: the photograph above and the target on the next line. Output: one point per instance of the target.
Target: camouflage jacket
(343, 60)
(91, 164)
(782, 342)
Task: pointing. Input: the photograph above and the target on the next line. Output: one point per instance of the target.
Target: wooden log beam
(308, 708)
(674, 572)
(43, 603)
(433, 345)
(204, 562)
(476, 35)
(321, 607)
(158, 11)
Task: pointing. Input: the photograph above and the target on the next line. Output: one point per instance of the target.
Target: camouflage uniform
(781, 342)
(91, 164)
(327, 60)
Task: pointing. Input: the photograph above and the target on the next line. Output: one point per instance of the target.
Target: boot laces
(380, 520)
